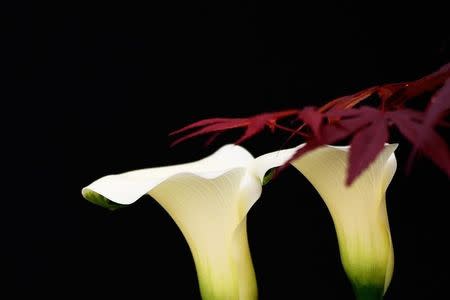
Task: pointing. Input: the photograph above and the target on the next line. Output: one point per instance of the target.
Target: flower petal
(358, 211)
(271, 160)
(326, 169)
(211, 214)
(127, 188)
(209, 201)
(205, 208)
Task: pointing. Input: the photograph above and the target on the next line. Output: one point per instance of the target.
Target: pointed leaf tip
(313, 118)
(366, 145)
(439, 105)
(200, 123)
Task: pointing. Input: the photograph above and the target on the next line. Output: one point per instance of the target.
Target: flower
(359, 214)
(358, 211)
(209, 201)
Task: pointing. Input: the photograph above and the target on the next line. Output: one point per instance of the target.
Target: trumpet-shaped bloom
(209, 201)
(358, 211)
(359, 214)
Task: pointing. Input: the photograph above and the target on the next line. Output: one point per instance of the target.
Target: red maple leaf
(365, 146)
(253, 125)
(410, 90)
(367, 127)
(439, 105)
(369, 131)
(414, 127)
(393, 95)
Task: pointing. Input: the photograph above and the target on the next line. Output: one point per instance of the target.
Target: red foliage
(367, 127)
(253, 125)
(439, 105)
(393, 95)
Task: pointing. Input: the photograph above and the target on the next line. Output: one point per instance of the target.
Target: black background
(99, 85)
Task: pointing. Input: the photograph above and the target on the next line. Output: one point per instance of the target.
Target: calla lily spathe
(209, 201)
(359, 214)
(358, 211)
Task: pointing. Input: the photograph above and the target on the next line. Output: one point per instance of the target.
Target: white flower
(358, 211)
(359, 214)
(209, 201)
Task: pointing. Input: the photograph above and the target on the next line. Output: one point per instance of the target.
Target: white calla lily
(358, 211)
(209, 201)
(359, 214)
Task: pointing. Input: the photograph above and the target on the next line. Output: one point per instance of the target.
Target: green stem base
(368, 292)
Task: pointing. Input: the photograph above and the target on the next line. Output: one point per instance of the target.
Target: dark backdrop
(100, 84)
